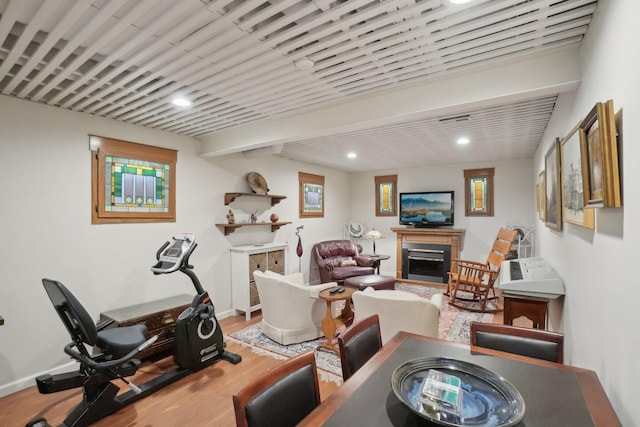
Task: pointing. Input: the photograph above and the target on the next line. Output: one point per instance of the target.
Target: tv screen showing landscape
(427, 209)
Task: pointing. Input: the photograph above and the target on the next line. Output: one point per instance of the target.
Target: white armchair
(399, 311)
(291, 310)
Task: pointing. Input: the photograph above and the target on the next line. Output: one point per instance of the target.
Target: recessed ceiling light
(352, 155)
(181, 102)
(463, 140)
(459, 1)
(304, 64)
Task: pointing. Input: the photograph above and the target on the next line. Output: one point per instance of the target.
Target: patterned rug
(454, 326)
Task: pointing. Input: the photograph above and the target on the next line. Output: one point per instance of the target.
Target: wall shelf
(230, 197)
(230, 228)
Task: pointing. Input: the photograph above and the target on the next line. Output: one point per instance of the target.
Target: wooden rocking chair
(476, 279)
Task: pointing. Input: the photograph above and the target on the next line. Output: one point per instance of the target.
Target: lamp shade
(373, 234)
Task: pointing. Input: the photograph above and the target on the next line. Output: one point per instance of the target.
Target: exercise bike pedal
(232, 358)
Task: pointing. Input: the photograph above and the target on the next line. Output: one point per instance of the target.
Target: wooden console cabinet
(160, 318)
(434, 236)
(244, 261)
(534, 309)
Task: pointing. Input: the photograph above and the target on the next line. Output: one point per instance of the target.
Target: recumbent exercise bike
(198, 342)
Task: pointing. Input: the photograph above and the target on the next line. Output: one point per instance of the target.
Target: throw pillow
(348, 263)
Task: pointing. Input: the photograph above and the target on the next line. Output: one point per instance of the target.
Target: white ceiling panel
(235, 60)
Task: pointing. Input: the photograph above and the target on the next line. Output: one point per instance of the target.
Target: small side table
(375, 260)
(534, 309)
(329, 323)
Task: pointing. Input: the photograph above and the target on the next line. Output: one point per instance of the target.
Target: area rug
(454, 326)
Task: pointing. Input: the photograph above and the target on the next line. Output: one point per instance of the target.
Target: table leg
(329, 328)
(376, 265)
(346, 315)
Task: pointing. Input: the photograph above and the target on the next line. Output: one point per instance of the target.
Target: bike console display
(173, 255)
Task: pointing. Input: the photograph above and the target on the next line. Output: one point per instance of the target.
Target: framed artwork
(386, 195)
(599, 151)
(478, 192)
(131, 182)
(541, 196)
(311, 195)
(573, 210)
(553, 189)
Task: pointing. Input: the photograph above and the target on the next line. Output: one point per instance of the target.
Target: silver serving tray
(488, 400)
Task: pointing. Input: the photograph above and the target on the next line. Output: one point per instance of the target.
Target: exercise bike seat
(120, 341)
(115, 343)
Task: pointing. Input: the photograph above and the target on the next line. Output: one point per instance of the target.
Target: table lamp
(373, 234)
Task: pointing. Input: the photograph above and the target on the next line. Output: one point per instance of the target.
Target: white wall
(282, 178)
(597, 266)
(514, 202)
(47, 231)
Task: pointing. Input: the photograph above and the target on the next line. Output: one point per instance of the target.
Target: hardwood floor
(200, 399)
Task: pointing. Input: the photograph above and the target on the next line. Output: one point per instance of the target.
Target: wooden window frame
(305, 210)
(101, 147)
(392, 181)
(469, 175)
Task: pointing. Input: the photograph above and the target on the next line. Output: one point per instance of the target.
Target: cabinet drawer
(254, 298)
(257, 262)
(276, 261)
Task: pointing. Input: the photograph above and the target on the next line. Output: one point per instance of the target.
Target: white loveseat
(399, 311)
(291, 310)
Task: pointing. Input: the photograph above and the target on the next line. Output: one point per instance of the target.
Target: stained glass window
(136, 185)
(132, 182)
(386, 195)
(478, 192)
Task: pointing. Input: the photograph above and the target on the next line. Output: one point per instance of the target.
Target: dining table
(554, 394)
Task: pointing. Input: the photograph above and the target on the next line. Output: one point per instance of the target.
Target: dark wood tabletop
(554, 394)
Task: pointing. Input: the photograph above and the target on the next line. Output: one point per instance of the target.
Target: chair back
(358, 344)
(74, 316)
(537, 343)
(281, 397)
(399, 311)
(501, 247)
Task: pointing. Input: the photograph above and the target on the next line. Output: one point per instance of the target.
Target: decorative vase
(274, 217)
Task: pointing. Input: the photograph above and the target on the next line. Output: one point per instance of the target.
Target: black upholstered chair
(537, 343)
(358, 344)
(282, 397)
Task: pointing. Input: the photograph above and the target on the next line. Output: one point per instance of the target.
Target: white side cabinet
(244, 261)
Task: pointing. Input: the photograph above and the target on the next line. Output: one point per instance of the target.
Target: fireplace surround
(426, 262)
(423, 255)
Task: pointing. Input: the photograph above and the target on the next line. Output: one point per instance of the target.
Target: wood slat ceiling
(125, 59)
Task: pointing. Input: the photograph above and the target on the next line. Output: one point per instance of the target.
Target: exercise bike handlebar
(102, 366)
(162, 248)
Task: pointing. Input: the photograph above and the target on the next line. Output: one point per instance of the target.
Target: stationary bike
(198, 342)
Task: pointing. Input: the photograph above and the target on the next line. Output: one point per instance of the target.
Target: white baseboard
(30, 381)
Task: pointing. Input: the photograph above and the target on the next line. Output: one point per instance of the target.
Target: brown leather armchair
(338, 260)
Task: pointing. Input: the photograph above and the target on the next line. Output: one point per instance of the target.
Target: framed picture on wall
(541, 196)
(311, 195)
(553, 189)
(573, 188)
(386, 195)
(599, 151)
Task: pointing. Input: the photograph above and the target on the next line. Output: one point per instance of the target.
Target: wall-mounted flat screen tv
(427, 208)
